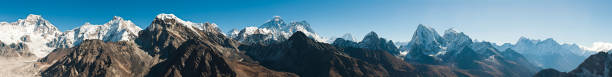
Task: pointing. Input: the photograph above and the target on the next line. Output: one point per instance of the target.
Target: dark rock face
(97, 58)
(195, 59)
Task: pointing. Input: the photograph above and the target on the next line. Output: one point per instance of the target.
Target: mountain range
(170, 46)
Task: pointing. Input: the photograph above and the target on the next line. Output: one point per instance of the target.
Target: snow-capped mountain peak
(117, 18)
(274, 30)
(426, 36)
(171, 19)
(164, 16)
(34, 31)
(117, 29)
(274, 23)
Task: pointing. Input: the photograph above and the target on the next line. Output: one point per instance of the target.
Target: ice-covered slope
(274, 31)
(33, 31)
(115, 30)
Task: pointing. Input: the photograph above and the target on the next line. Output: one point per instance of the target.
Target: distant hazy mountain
(597, 65)
(549, 53)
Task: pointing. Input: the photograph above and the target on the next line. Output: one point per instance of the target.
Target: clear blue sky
(577, 21)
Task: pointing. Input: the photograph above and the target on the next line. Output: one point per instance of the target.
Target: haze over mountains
(175, 47)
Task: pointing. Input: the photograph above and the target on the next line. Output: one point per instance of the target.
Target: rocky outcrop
(98, 58)
(195, 59)
(14, 50)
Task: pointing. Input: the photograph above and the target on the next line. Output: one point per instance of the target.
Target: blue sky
(582, 22)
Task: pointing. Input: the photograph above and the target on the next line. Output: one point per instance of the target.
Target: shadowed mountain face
(191, 59)
(306, 57)
(192, 50)
(597, 65)
(97, 58)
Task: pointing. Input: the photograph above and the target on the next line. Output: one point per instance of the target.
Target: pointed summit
(117, 18)
(37, 20)
(371, 37)
(348, 36)
(550, 41)
(426, 35)
(277, 18)
(372, 34)
(451, 30)
(275, 23)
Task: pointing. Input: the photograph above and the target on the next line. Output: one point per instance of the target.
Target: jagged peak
(550, 40)
(276, 22)
(451, 30)
(117, 18)
(525, 40)
(427, 32)
(276, 18)
(423, 27)
(348, 36)
(371, 34)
